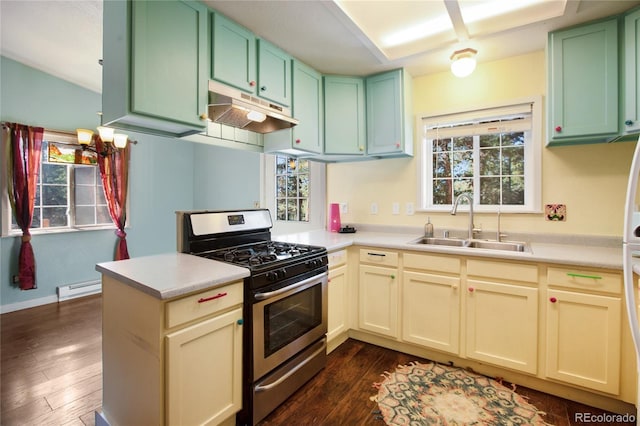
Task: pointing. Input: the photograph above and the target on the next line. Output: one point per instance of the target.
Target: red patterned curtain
(24, 146)
(114, 171)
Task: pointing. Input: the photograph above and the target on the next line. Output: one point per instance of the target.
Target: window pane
(441, 145)
(513, 139)
(460, 186)
(35, 221)
(292, 186)
(282, 209)
(292, 209)
(513, 190)
(85, 175)
(463, 164)
(442, 190)
(303, 166)
(85, 195)
(513, 161)
(54, 216)
(101, 199)
(54, 195)
(102, 213)
(54, 173)
(490, 190)
(303, 185)
(489, 140)
(442, 165)
(304, 209)
(489, 162)
(85, 215)
(463, 143)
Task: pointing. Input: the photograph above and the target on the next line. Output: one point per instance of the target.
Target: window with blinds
(491, 154)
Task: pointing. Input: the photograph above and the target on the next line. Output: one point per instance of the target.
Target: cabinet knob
(454, 287)
(203, 116)
(553, 300)
(361, 148)
(240, 321)
(397, 144)
(628, 122)
(252, 83)
(263, 88)
(393, 277)
(298, 141)
(471, 289)
(558, 129)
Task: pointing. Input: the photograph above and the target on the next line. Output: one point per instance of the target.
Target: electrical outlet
(395, 208)
(16, 279)
(410, 210)
(374, 208)
(256, 204)
(344, 208)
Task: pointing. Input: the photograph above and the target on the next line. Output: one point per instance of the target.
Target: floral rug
(435, 394)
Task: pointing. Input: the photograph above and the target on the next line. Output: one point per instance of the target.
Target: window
(491, 154)
(68, 195)
(292, 189)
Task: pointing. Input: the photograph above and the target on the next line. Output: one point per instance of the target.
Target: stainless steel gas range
(285, 301)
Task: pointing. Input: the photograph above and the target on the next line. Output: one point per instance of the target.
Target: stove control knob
(272, 276)
(281, 274)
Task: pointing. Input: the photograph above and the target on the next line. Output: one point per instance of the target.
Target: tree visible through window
(292, 189)
(491, 154)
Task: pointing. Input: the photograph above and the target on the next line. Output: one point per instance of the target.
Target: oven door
(287, 320)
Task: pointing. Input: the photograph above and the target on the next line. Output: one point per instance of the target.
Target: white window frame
(532, 172)
(317, 197)
(6, 215)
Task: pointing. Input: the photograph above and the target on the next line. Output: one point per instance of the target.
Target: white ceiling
(352, 37)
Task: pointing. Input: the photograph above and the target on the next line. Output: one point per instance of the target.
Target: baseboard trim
(11, 307)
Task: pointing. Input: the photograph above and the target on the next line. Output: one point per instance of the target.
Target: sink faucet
(472, 228)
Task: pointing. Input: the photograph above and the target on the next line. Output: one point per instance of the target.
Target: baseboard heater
(71, 291)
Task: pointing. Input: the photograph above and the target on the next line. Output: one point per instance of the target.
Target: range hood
(234, 107)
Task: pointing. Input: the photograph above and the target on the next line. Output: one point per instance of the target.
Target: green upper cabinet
(274, 73)
(155, 66)
(306, 137)
(233, 54)
(389, 120)
(344, 115)
(583, 84)
(631, 93)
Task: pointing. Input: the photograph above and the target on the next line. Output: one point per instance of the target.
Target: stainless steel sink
(479, 244)
(455, 242)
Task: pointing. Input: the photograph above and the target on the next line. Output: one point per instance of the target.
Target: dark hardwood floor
(51, 374)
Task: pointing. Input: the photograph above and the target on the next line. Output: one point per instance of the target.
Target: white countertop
(174, 274)
(571, 254)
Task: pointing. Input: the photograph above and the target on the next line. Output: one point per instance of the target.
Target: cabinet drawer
(379, 257)
(202, 304)
(503, 270)
(432, 263)
(337, 258)
(584, 279)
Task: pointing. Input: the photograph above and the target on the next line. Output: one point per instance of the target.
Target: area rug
(435, 394)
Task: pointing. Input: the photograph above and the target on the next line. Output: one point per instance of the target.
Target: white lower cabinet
(431, 302)
(583, 338)
(338, 298)
(204, 371)
(378, 292)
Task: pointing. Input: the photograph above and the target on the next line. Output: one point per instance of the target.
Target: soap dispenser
(428, 228)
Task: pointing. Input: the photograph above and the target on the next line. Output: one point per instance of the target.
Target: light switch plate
(409, 209)
(395, 208)
(374, 208)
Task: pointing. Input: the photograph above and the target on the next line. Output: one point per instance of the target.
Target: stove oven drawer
(203, 304)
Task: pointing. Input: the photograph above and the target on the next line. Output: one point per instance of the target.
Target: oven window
(291, 317)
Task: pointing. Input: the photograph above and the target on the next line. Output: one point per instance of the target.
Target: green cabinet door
(307, 108)
(583, 83)
(388, 118)
(233, 54)
(631, 93)
(155, 66)
(274, 73)
(344, 115)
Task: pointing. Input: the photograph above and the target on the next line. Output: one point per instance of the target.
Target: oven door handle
(270, 294)
(263, 388)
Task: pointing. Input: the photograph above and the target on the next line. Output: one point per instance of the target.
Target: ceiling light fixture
(463, 62)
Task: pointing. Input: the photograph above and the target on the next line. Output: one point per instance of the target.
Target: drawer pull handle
(593, 277)
(377, 254)
(217, 296)
(553, 300)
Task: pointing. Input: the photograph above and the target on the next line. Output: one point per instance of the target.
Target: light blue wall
(165, 175)
(225, 178)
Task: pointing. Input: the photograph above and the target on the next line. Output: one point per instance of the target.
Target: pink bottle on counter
(334, 217)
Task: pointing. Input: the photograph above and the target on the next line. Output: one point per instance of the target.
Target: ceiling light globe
(463, 67)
